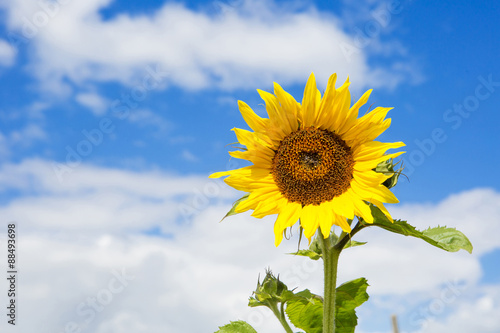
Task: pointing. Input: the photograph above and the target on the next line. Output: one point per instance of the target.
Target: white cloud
(473, 212)
(189, 156)
(144, 118)
(250, 46)
(23, 137)
(7, 53)
(96, 103)
(4, 148)
(475, 313)
(106, 200)
(74, 235)
(27, 135)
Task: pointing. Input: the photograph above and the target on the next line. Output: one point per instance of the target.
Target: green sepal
(305, 309)
(448, 239)
(349, 296)
(232, 211)
(315, 252)
(239, 326)
(388, 168)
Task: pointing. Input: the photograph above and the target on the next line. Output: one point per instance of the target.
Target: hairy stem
(281, 317)
(330, 261)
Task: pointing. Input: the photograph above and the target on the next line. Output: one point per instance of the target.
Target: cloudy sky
(113, 114)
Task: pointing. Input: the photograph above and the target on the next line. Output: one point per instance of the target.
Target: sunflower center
(312, 166)
(309, 160)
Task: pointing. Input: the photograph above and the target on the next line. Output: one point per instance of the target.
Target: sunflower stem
(330, 261)
(281, 317)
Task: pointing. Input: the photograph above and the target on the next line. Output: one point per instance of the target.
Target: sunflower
(314, 161)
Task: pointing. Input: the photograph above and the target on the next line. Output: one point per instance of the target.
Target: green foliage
(305, 311)
(239, 326)
(232, 211)
(349, 296)
(448, 239)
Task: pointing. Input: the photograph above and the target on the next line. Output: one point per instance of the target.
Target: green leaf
(305, 311)
(349, 296)
(449, 239)
(352, 243)
(239, 326)
(232, 211)
(308, 253)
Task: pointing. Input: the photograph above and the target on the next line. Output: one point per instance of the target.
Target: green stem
(281, 317)
(330, 261)
(343, 240)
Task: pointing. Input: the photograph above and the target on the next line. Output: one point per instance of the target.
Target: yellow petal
(309, 220)
(383, 209)
(270, 206)
(255, 198)
(370, 177)
(255, 122)
(289, 107)
(369, 126)
(326, 108)
(352, 114)
(259, 160)
(310, 102)
(374, 149)
(380, 192)
(273, 107)
(326, 219)
(251, 182)
(288, 216)
(363, 210)
(242, 171)
(342, 222)
(288, 103)
(342, 205)
(340, 107)
(254, 141)
(370, 164)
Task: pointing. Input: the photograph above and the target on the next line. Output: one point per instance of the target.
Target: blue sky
(113, 113)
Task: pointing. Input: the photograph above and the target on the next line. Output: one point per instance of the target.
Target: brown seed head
(312, 166)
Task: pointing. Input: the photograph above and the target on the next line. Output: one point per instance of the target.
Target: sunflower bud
(270, 292)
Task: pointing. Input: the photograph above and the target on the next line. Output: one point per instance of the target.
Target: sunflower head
(314, 161)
